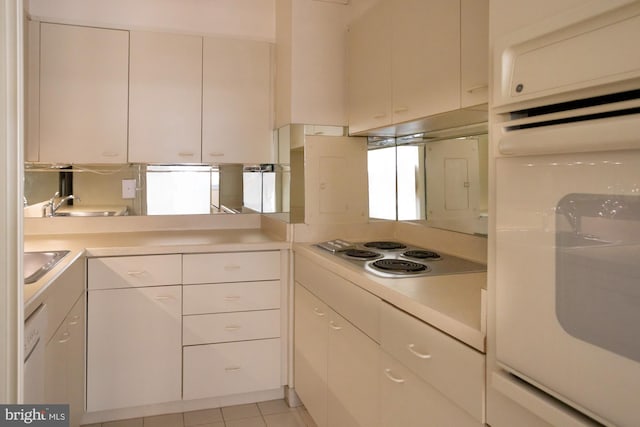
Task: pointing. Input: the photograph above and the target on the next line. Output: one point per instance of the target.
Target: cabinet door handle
(318, 312)
(163, 297)
(477, 88)
(231, 267)
(412, 349)
(136, 273)
(232, 368)
(380, 116)
(74, 320)
(401, 110)
(333, 326)
(66, 336)
(232, 328)
(388, 374)
(186, 154)
(110, 154)
(216, 154)
(232, 298)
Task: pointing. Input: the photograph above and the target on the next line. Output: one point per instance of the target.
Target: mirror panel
(442, 181)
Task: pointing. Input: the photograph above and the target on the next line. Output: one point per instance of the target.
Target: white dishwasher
(34, 342)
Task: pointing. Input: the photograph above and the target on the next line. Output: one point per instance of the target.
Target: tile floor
(274, 413)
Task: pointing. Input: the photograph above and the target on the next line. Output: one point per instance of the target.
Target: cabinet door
(64, 363)
(165, 98)
(83, 94)
(407, 401)
(236, 101)
(370, 69)
(474, 54)
(426, 58)
(352, 365)
(310, 355)
(134, 347)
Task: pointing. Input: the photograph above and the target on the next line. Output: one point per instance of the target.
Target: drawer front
(350, 301)
(230, 368)
(227, 327)
(231, 267)
(455, 370)
(134, 271)
(228, 297)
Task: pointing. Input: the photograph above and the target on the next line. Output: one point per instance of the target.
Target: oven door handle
(614, 133)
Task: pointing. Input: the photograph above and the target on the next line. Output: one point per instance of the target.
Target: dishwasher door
(34, 343)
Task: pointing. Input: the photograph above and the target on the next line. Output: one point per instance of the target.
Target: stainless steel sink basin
(87, 213)
(37, 264)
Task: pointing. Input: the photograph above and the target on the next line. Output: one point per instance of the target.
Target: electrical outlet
(128, 188)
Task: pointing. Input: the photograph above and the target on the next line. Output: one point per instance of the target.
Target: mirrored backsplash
(140, 189)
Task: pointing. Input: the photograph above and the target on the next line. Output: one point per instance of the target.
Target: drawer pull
(333, 326)
(318, 312)
(232, 298)
(232, 369)
(66, 336)
(163, 298)
(388, 374)
(412, 349)
(74, 320)
(136, 273)
(232, 328)
(231, 267)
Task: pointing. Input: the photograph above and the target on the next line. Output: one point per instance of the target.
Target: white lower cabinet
(64, 363)
(231, 368)
(408, 401)
(335, 366)
(134, 347)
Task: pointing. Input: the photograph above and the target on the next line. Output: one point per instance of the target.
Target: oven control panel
(336, 245)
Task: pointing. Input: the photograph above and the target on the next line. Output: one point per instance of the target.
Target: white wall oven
(567, 266)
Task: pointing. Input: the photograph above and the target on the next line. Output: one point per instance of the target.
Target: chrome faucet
(54, 205)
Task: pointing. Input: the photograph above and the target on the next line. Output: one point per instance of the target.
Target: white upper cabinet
(236, 101)
(425, 58)
(370, 70)
(165, 98)
(410, 59)
(83, 94)
(474, 55)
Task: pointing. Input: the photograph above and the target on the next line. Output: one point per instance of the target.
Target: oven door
(568, 277)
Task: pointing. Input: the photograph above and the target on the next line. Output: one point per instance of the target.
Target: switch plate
(128, 188)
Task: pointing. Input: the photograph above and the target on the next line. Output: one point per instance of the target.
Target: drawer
(350, 301)
(134, 271)
(231, 267)
(227, 297)
(455, 370)
(226, 327)
(230, 368)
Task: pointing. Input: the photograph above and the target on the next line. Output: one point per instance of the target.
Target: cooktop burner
(387, 246)
(422, 254)
(361, 254)
(399, 266)
(397, 260)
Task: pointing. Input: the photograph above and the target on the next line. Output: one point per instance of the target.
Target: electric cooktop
(396, 259)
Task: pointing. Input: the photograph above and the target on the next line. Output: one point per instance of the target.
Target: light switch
(128, 188)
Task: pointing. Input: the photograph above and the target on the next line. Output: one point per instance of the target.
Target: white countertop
(139, 243)
(452, 303)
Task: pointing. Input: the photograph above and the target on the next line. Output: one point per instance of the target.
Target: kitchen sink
(37, 264)
(87, 213)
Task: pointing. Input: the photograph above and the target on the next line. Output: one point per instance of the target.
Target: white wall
(248, 19)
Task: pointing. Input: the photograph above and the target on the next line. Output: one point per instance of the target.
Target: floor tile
(237, 412)
(306, 417)
(169, 420)
(274, 407)
(133, 422)
(206, 416)
(246, 422)
(287, 419)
